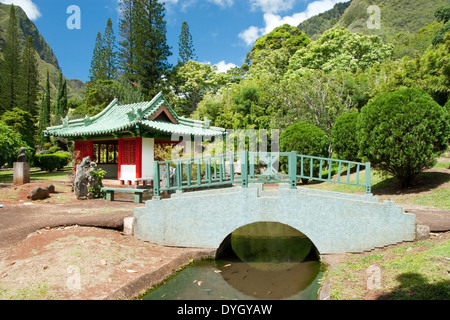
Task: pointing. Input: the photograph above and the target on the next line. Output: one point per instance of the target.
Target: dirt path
(64, 248)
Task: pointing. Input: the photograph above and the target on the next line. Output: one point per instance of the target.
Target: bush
(96, 189)
(51, 162)
(343, 137)
(10, 142)
(402, 133)
(306, 139)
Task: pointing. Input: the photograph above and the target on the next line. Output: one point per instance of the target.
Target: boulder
(83, 179)
(51, 189)
(38, 193)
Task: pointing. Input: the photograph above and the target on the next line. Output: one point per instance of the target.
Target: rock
(38, 193)
(51, 189)
(83, 179)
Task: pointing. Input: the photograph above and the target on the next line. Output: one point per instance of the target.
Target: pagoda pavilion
(122, 138)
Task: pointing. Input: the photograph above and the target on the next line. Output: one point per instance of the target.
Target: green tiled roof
(118, 118)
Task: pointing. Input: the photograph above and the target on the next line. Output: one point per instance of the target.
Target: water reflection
(263, 261)
(263, 281)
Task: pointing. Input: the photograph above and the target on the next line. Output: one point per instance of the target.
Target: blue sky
(223, 31)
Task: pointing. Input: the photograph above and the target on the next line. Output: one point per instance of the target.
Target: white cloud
(272, 6)
(273, 20)
(28, 6)
(250, 35)
(224, 67)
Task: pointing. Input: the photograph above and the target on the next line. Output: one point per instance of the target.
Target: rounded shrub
(343, 137)
(52, 162)
(306, 139)
(402, 133)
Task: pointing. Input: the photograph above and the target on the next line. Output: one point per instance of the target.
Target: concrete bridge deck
(334, 222)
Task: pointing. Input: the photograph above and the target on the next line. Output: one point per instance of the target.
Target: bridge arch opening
(268, 242)
(270, 260)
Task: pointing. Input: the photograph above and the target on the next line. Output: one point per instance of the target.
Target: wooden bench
(137, 193)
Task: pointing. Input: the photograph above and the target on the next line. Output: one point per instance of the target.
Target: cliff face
(26, 28)
(47, 60)
(396, 16)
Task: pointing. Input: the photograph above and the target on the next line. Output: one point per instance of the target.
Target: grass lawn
(408, 271)
(38, 175)
(432, 188)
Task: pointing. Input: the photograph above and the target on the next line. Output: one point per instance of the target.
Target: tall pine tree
(98, 64)
(11, 64)
(186, 48)
(144, 53)
(61, 99)
(127, 43)
(104, 57)
(44, 112)
(29, 79)
(109, 51)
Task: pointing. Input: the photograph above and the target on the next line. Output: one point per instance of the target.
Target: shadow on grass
(426, 181)
(414, 286)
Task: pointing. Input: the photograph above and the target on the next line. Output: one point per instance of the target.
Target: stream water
(267, 261)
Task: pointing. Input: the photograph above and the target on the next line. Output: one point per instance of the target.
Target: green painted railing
(243, 167)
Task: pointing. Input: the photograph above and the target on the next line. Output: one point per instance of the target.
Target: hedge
(50, 162)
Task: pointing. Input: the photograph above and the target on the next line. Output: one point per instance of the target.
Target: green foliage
(413, 45)
(318, 24)
(98, 65)
(28, 79)
(52, 162)
(440, 34)
(10, 65)
(286, 36)
(22, 122)
(402, 133)
(44, 112)
(61, 107)
(186, 48)
(144, 51)
(316, 96)
(306, 139)
(435, 71)
(340, 49)
(104, 57)
(10, 142)
(190, 82)
(343, 137)
(442, 14)
(96, 191)
(396, 16)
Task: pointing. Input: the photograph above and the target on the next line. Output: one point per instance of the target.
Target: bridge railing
(200, 172)
(247, 167)
(322, 169)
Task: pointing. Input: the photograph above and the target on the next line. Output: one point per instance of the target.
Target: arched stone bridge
(334, 222)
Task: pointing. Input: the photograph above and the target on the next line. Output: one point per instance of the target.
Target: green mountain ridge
(46, 57)
(396, 16)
